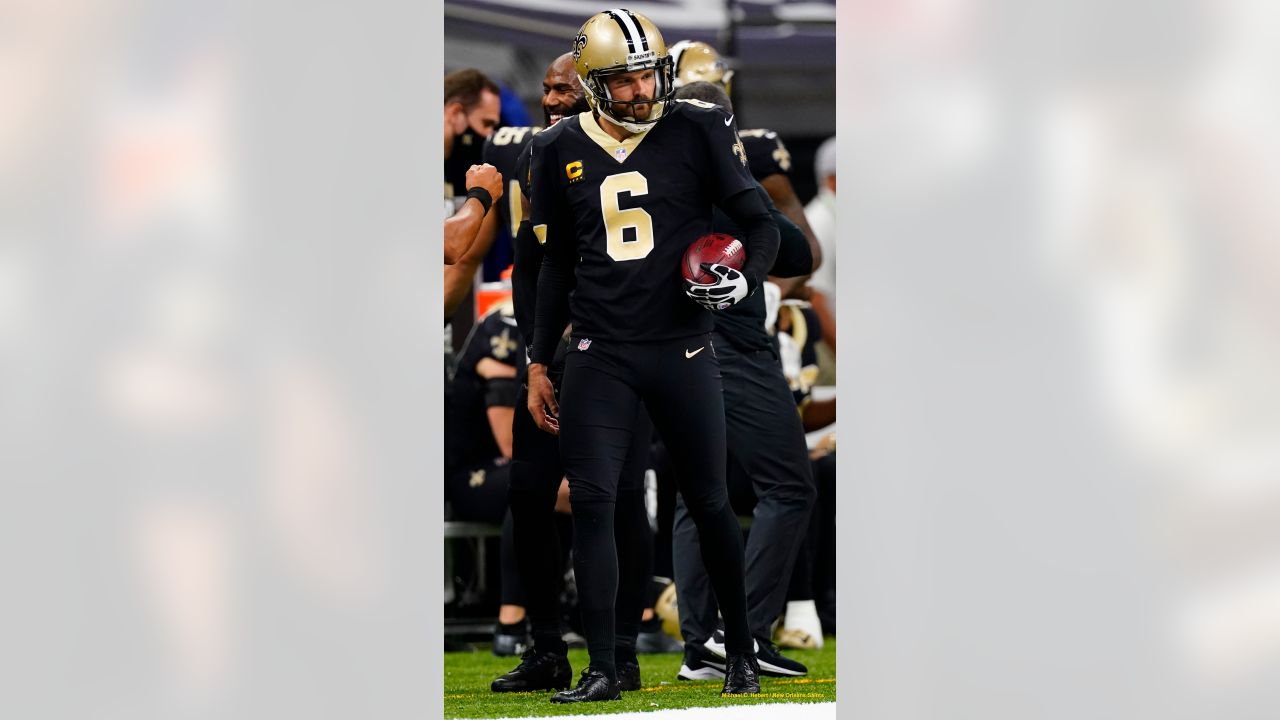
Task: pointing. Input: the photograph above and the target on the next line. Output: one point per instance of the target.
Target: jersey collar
(619, 150)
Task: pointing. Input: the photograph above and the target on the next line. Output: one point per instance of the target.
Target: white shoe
(715, 644)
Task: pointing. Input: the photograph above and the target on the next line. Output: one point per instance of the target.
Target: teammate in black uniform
(480, 400)
(536, 472)
(476, 448)
(767, 156)
(617, 196)
(768, 466)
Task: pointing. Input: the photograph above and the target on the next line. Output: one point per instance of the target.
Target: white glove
(730, 289)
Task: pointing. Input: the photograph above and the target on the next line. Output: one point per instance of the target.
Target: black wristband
(483, 196)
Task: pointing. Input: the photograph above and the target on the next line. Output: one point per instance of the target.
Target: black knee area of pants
(525, 503)
(720, 541)
(531, 496)
(707, 509)
(534, 478)
(512, 592)
(634, 540)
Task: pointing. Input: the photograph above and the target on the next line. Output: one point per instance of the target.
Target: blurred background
(220, 351)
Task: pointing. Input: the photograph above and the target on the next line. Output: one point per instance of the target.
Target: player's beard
(640, 110)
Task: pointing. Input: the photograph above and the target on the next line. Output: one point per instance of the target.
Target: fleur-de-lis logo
(579, 43)
(503, 345)
(739, 149)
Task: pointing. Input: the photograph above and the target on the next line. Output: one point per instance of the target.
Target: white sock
(803, 615)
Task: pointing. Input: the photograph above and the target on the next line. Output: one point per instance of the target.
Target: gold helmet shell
(695, 60)
(620, 41)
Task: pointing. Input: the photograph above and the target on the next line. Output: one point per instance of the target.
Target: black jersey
(467, 151)
(468, 437)
(766, 155)
(625, 211)
(502, 150)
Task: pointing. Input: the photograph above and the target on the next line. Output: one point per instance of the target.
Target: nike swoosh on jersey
(688, 354)
(726, 122)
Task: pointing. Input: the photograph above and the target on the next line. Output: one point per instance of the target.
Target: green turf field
(467, 677)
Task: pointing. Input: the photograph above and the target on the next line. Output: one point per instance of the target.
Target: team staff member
(617, 196)
(768, 464)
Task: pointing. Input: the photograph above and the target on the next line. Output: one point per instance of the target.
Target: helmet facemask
(622, 112)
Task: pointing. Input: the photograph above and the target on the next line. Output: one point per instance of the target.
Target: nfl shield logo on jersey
(620, 153)
(583, 344)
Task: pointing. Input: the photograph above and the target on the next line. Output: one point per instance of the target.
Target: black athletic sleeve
(794, 256)
(749, 212)
(501, 392)
(527, 263)
(735, 193)
(526, 257)
(553, 230)
(524, 166)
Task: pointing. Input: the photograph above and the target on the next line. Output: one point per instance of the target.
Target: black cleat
(741, 675)
(593, 686)
(774, 663)
(505, 645)
(536, 671)
(629, 676)
(650, 643)
(700, 664)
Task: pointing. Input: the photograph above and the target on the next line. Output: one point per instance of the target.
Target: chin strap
(634, 127)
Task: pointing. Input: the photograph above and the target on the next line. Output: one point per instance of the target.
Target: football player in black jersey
(768, 158)
(618, 194)
(768, 466)
(480, 401)
(536, 471)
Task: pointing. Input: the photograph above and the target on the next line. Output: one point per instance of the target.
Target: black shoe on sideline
(656, 642)
(741, 675)
(510, 644)
(536, 671)
(629, 676)
(593, 686)
(773, 663)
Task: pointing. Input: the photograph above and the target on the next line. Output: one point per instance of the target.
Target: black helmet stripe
(631, 30)
(644, 39)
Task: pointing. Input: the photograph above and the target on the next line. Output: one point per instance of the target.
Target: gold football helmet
(695, 60)
(620, 41)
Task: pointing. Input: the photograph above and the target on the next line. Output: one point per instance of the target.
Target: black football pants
(535, 477)
(678, 382)
(768, 462)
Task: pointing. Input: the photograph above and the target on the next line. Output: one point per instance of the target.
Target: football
(716, 248)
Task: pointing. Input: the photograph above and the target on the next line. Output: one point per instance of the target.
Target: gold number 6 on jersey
(616, 220)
